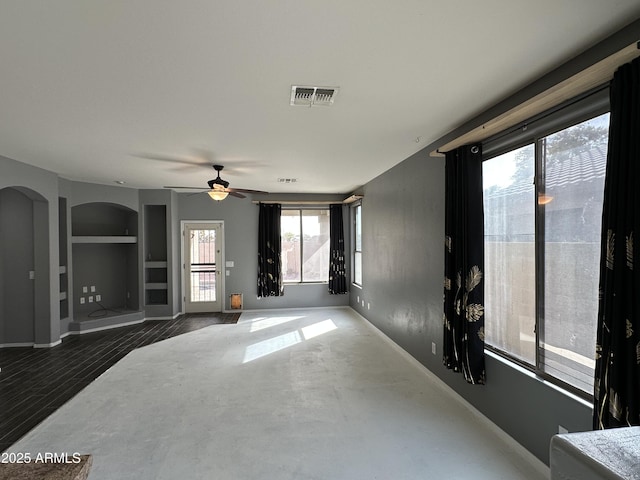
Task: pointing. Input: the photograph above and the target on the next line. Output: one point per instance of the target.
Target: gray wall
(82, 192)
(174, 256)
(402, 232)
(240, 218)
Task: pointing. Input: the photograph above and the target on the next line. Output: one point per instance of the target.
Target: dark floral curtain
(617, 374)
(463, 341)
(337, 268)
(269, 263)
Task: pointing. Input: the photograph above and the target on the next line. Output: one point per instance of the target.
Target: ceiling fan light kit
(219, 189)
(218, 195)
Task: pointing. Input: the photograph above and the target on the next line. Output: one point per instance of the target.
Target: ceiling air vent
(313, 96)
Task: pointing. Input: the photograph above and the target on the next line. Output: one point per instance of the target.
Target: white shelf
(105, 239)
(155, 264)
(155, 286)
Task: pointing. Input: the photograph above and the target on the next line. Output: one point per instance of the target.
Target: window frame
(533, 132)
(302, 281)
(355, 208)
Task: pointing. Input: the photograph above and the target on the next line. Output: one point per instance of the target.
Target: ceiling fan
(219, 189)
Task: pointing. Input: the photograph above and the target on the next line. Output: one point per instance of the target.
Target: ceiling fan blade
(186, 162)
(236, 194)
(245, 190)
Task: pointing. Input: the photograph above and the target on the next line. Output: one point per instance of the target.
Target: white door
(202, 243)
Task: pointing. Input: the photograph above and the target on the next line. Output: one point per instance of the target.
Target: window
(305, 245)
(509, 253)
(357, 245)
(542, 251)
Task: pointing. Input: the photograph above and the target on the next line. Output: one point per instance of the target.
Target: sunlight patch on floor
(271, 345)
(318, 329)
(261, 323)
(286, 340)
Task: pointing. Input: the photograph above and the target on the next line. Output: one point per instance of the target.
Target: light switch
(32, 275)
(85, 289)
(82, 300)
(93, 288)
(229, 263)
(91, 299)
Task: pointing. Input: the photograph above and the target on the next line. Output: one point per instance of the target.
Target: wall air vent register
(305, 96)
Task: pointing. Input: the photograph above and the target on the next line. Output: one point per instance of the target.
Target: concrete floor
(295, 394)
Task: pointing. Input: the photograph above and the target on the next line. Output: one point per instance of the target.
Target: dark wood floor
(36, 382)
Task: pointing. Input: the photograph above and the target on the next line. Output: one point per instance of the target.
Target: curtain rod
(349, 199)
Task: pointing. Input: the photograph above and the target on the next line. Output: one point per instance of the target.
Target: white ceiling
(151, 92)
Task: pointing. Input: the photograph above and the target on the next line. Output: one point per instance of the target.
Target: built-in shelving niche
(155, 251)
(105, 265)
(63, 259)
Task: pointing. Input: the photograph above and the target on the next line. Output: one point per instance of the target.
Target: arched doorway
(24, 244)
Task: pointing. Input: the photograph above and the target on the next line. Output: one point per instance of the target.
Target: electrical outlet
(228, 272)
(90, 298)
(82, 300)
(93, 288)
(98, 298)
(85, 290)
(368, 306)
(433, 347)
(32, 275)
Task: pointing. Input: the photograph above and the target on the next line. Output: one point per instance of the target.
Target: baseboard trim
(17, 345)
(534, 461)
(106, 327)
(163, 317)
(290, 309)
(47, 345)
